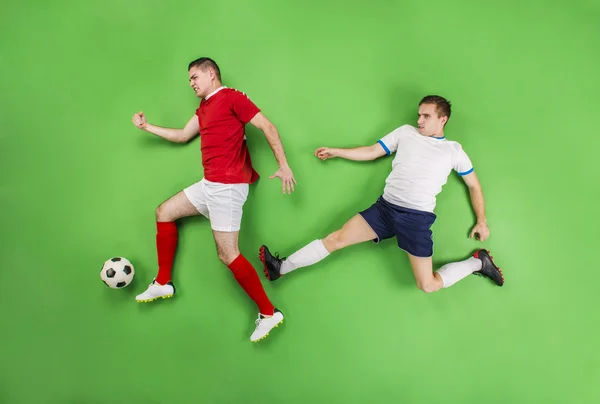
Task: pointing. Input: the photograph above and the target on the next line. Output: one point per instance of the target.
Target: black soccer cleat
(271, 264)
(488, 268)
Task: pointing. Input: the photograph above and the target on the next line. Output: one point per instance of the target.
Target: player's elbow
(184, 138)
(475, 190)
(269, 130)
(373, 153)
(474, 186)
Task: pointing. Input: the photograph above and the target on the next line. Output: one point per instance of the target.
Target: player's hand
(481, 230)
(139, 120)
(287, 179)
(325, 153)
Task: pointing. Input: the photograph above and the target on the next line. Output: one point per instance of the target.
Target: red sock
(246, 276)
(166, 243)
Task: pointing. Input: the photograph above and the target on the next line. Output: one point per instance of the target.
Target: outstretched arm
(285, 173)
(174, 135)
(362, 153)
(481, 227)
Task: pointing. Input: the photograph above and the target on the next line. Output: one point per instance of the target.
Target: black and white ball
(117, 272)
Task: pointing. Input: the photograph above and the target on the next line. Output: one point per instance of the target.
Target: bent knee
(428, 286)
(161, 214)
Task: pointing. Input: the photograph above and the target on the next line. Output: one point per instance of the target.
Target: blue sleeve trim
(466, 172)
(387, 151)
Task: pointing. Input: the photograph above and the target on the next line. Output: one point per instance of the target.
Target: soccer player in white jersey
(424, 159)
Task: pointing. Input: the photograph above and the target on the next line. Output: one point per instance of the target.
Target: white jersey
(421, 167)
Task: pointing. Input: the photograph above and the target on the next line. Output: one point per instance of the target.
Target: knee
(428, 286)
(161, 214)
(227, 257)
(335, 241)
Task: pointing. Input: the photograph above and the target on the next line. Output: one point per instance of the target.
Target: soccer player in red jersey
(221, 193)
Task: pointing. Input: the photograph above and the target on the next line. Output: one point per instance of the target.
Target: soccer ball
(117, 272)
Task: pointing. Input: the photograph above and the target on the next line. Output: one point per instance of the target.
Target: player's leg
(245, 275)
(427, 280)
(189, 202)
(225, 203)
(414, 235)
(370, 224)
(480, 263)
(167, 214)
(242, 270)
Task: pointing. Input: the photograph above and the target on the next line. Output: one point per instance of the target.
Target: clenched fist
(139, 120)
(325, 153)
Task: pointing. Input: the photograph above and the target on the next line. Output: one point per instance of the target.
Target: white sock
(307, 255)
(455, 271)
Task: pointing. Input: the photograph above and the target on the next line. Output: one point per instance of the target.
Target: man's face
(201, 81)
(429, 124)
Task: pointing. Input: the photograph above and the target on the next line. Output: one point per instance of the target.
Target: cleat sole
(261, 256)
(154, 298)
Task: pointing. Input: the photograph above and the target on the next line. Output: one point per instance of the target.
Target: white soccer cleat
(156, 291)
(264, 325)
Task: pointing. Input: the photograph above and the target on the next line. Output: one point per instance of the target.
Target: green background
(80, 184)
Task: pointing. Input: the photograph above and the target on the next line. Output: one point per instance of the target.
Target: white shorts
(220, 203)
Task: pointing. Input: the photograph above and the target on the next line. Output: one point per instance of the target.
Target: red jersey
(225, 155)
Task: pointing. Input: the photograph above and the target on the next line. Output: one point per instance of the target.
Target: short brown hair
(442, 105)
(204, 63)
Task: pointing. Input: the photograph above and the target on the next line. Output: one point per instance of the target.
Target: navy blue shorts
(412, 228)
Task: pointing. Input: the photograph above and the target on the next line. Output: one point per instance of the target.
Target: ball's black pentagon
(110, 273)
(121, 284)
(127, 270)
(116, 259)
